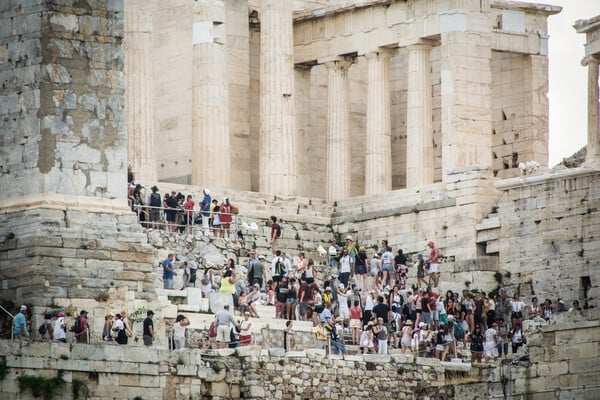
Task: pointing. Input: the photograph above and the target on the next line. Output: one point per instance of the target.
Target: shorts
(171, 215)
(434, 268)
(291, 301)
(516, 315)
(147, 340)
(500, 347)
(490, 350)
(333, 263)
(279, 307)
(154, 214)
(387, 267)
(439, 347)
(223, 332)
(344, 312)
(360, 270)
(355, 323)
(435, 315)
(426, 317)
(303, 309)
(168, 283)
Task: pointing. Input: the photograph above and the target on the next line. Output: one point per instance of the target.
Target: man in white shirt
(344, 268)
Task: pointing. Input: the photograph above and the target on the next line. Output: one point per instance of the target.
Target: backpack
(278, 230)
(205, 279)
(212, 331)
(43, 328)
(193, 275)
(279, 267)
(77, 327)
(155, 200)
(459, 332)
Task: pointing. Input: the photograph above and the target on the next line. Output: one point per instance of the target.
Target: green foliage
(80, 389)
(498, 277)
(467, 284)
(41, 386)
(138, 315)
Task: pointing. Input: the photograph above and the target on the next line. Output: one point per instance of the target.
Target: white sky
(568, 79)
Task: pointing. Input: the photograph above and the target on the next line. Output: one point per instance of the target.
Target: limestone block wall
(71, 257)
(62, 102)
(549, 228)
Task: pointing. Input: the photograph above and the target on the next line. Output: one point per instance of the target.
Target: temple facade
(334, 99)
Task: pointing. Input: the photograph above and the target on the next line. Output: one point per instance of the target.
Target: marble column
(210, 106)
(593, 138)
(278, 174)
(378, 163)
(338, 130)
(419, 115)
(139, 96)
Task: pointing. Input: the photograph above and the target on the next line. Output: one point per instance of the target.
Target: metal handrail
(138, 208)
(12, 331)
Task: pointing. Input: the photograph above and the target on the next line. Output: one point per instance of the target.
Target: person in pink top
(434, 263)
(355, 321)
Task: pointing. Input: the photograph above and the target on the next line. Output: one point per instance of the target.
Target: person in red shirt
(226, 218)
(434, 263)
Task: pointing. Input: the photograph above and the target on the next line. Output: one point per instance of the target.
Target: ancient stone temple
(404, 120)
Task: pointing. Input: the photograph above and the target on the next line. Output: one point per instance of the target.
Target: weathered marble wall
(62, 104)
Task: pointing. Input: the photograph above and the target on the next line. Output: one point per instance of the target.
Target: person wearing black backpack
(189, 275)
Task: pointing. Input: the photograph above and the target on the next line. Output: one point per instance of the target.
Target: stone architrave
(210, 120)
(278, 173)
(378, 163)
(419, 117)
(140, 94)
(338, 129)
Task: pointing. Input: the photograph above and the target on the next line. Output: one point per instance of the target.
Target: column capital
(338, 62)
(381, 53)
(590, 59)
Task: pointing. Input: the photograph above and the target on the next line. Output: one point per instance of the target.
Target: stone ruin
(455, 101)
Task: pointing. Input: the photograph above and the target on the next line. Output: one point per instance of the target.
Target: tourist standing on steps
(434, 263)
(275, 230)
(179, 331)
(20, 324)
(224, 319)
(226, 217)
(148, 333)
(205, 211)
(245, 335)
(333, 253)
(118, 329)
(60, 328)
(155, 202)
(168, 272)
(82, 336)
(344, 267)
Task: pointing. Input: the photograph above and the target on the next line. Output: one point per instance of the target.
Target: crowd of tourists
(176, 212)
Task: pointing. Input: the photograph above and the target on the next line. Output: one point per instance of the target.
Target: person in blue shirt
(205, 210)
(20, 324)
(168, 272)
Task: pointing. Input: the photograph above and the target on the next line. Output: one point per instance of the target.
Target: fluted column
(139, 101)
(419, 114)
(278, 173)
(593, 138)
(338, 130)
(378, 163)
(210, 115)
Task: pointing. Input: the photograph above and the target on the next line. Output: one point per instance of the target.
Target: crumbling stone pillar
(338, 130)
(419, 115)
(210, 120)
(378, 165)
(277, 120)
(139, 101)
